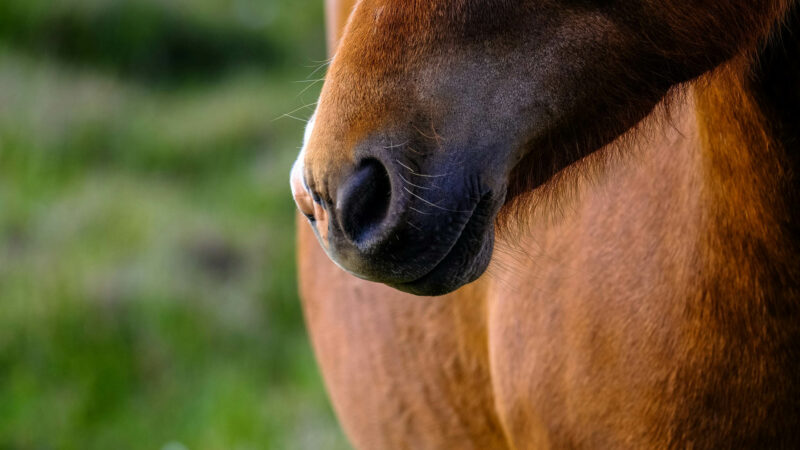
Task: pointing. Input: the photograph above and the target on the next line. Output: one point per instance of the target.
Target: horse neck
(748, 113)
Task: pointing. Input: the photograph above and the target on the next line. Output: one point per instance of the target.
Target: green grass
(163, 41)
(147, 277)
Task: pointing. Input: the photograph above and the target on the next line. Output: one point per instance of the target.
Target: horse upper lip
(314, 211)
(303, 199)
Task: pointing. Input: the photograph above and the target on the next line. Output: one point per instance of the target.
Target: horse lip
(413, 284)
(302, 197)
(313, 210)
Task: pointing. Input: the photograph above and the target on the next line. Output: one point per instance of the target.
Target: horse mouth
(379, 230)
(467, 258)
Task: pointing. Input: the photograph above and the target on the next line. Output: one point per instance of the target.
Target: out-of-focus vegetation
(147, 277)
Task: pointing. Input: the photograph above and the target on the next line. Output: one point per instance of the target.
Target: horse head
(435, 114)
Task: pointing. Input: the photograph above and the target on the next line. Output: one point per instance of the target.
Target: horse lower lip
(448, 252)
(458, 246)
(436, 282)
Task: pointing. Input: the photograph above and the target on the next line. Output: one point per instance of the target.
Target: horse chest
(587, 314)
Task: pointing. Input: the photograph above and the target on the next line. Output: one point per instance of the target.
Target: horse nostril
(363, 200)
(303, 199)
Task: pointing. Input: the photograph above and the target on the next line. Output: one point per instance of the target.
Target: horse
(556, 223)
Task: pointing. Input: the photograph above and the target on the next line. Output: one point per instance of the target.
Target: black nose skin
(363, 203)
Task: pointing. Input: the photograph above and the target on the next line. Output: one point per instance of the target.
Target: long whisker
(293, 117)
(413, 172)
(395, 145)
(310, 85)
(416, 227)
(436, 136)
(416, 185)
(294, 111)
(324, 64)
(423, 134)
(421, 212)
(310, 81)
(321, 61)
(434, 204)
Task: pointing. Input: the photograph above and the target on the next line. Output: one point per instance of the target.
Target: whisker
(395, 145)
(429, 176)
(433, 138)
(309, 81)
(294, 111)
(324, 64)
(421, 212)
(436, 136)
(434, 204)
(293, 117)
(321, 61)
(310, 85)
(413, 172)
(416, 185)
(409, 168)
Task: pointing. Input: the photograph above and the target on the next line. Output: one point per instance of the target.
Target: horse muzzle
(386, 220)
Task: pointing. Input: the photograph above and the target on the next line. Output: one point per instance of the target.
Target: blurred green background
(147, 277)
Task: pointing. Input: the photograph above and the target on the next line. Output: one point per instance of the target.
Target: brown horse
(639, 160)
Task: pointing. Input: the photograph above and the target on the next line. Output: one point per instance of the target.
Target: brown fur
(660, 310)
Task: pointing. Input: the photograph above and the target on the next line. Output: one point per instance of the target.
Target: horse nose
(312, 209)
(364, 202)
(362, 206)
(302, 195)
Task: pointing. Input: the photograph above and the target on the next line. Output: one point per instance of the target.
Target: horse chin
(466, 260)
(463, 264)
